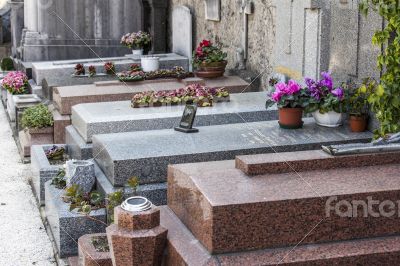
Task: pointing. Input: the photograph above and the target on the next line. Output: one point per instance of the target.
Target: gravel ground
(23, 239)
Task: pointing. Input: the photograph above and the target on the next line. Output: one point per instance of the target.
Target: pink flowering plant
(324, 96)
(288, 95)
(136, 40)
(16, 82)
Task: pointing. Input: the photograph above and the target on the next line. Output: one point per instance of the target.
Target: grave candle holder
(136, 238)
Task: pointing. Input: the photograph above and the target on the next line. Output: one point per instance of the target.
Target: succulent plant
(55, 153)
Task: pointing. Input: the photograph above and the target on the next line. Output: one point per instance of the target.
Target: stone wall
(228, 30)
(296, 38)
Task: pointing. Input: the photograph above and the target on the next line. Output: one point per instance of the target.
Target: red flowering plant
(92, 71)
(136, 67)
(79, 69)
(16, 82)
(109, 68)
(208, 53)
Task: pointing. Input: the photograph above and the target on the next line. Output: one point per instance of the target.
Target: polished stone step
(147, 154)
(90, 119)
(184, 249)
(229, 211)
(300, 161)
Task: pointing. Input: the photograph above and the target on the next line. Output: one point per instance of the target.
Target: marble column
(17, 24)
(31, 15)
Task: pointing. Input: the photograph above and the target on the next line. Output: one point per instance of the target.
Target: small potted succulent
(209, 60)
(92, 71)
(291, 100)
(109, 68)
(141, 99)
(174, 97)
(157, 99)
(203, 98)
(136, 41)
(55, 153)
(221, 95)
(358, 106)
(38, 123)
(327, 103)
(16, 83)
(79, 70)
(136, 68)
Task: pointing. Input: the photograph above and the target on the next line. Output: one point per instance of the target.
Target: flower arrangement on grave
(136, 67)
(209, 60)
(136, 74)
(92, 71)
(16, 82)
(327, 103)
(221, 95)
(79, 70)
(358, 105)
(291, 99)
(59, 180)
(195, 93)
(55, 153)
(109, 68)
(136, 40)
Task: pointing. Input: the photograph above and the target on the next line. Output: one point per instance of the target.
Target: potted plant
(38, 123)
(157, 99)
(16, 83)
(7, 64)
(109, 68)
(209, 60)
(326, 102)
(55, 153)
(79, 70)
(92, 71)
(221, 95)
(136, 41)
(358, 106)
(141, 99)
(291, 99)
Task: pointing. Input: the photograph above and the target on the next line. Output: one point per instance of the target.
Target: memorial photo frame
(213, 10)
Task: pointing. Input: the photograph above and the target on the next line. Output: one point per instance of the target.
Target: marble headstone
(182, 42)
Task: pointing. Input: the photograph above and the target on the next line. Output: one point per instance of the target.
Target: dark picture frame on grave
(187, 120)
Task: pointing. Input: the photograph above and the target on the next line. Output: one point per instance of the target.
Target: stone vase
(329, 119)
(81, 173)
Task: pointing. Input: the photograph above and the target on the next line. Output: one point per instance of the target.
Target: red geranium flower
(205, 43)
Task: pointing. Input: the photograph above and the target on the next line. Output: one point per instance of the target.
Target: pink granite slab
(229, 211)
(184, 249)
(300, 161)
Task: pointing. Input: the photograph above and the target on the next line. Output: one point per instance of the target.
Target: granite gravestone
(182, 42)
(186, 124)
(213, 10)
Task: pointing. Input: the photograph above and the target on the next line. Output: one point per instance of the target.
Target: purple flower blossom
(338, 92)
(282, 89)
(326, 81)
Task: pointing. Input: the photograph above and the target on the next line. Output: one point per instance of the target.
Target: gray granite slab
(78, 149)
(58, 73)
(147, 154)
(42, 170)
(92, 119)
(156, 193)
(67, 226)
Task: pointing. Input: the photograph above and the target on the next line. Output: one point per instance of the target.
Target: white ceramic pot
(10, 107)
(150, 63)
(137, 52)
(329, 119)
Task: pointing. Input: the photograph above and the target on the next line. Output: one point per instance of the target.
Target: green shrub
(37, 116)
(7, 64)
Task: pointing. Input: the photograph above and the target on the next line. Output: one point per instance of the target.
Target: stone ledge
(286, 162)
(184, 249)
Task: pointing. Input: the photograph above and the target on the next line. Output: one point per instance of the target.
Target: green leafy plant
(113, 200)
(7, 64)
(83, 202)
(385, 100)
(358, 104)
(59, 180)
(37, 116)
(133, 183)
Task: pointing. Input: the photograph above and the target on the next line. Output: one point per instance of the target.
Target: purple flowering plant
(324, 96)
(288, 95)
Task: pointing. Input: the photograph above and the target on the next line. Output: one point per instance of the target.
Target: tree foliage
(385, 100)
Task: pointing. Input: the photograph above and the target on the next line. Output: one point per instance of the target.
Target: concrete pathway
(23, 239)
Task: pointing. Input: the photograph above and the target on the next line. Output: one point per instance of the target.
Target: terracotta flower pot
(358, 123)
(291, 118)
(211, 70)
